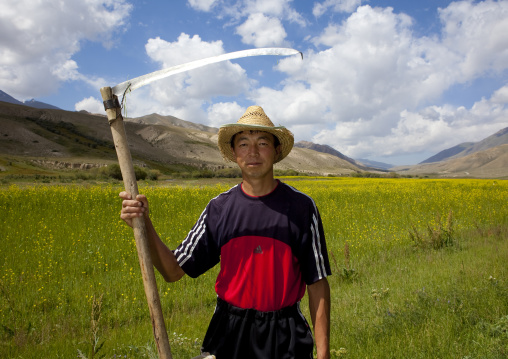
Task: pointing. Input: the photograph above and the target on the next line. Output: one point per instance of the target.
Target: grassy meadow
(420, 269)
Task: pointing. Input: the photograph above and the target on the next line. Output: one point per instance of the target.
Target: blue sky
(391, 81)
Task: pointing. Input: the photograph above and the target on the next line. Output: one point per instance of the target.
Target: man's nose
(253, 149)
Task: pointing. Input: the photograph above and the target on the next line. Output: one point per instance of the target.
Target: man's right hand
(132, 208)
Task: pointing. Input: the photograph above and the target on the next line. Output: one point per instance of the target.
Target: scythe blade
(160, 74)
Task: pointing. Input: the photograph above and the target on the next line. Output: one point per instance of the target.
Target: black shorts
(236, 333)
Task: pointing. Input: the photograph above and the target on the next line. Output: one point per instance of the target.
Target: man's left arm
(319, 306)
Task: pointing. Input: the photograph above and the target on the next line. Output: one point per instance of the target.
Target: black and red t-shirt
(269, 247)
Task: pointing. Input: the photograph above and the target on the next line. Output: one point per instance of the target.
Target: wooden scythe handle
(114, 113)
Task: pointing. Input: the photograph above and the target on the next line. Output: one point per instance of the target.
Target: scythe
(114, 114)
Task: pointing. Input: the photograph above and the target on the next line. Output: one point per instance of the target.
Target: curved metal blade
(160, 74)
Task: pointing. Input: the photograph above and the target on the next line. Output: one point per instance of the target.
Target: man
(270, 243)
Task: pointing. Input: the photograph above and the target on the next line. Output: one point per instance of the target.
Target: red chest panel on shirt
(260, 273)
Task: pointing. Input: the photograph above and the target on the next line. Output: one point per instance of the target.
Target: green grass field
(420, 269)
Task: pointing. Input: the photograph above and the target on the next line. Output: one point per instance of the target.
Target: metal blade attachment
(160, 74)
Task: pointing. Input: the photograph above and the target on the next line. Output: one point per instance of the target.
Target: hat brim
(226, 132)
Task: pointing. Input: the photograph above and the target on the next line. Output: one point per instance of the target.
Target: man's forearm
(319, 306)
(162, 257)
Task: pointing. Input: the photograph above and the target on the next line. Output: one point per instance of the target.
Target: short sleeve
(199, 251)
(312, 251)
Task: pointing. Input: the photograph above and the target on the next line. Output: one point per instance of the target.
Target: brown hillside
(79, 137)
(156, 119)
(490, 163)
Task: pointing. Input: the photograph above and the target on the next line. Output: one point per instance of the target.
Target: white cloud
(269, 7)
(253, 16)
(202, 84)
(280, 9)
(367, 72)
(437, 127)
(183, 50)
(203, 5)
(296, 105)
(336, 5)
(500, 97)
(477, 33)
(91, 105)
(67, 70)
(224, 112)
(38, 40)
(261, 31)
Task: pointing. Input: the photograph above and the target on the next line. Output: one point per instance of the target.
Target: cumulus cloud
(415, 132)
(224, 112)
(202, 5)
(223, 78)
(477, 33)
(37, 45)
(336, 5)
(91, 105)
(262, 31)
(241, 9)
(184, 49)
(270, 7)
(367, 71)
(295, 105)
(261, 21)
(280, 9)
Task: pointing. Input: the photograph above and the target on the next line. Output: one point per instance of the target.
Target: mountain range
(31, 103)
(468, 148)
(486, 158)
(56, 139)
(47, 135)
(365, 165)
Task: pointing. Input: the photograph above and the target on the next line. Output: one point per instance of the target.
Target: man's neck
(258, 188)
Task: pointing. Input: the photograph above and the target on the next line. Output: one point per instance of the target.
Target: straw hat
(254, 119)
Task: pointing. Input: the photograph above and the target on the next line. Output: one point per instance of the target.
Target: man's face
(255, 153)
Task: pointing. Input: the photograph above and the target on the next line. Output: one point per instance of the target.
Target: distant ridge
(468, 148)
(5, 97)
(490, 163)
(365, 166)
(374, 164)
(448, 153)
(37, 104)
(156, 119)
(324, 149)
